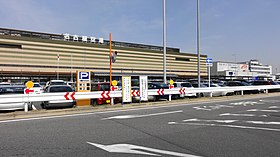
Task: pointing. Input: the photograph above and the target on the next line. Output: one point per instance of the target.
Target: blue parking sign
(84, 76)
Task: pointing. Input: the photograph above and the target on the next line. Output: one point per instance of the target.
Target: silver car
(12, 89)
(58, 103)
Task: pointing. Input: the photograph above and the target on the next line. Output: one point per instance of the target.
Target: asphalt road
(247, 128)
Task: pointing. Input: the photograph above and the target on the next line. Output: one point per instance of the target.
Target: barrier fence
(70, 96)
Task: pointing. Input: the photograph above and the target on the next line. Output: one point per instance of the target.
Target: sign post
(171, 82)
(143, 88)
(83, 85)
(28, 90)
(113, 87)
(126, 89)
(209, 64)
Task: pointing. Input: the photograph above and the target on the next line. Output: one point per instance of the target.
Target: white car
(186, 85)
(38, 89)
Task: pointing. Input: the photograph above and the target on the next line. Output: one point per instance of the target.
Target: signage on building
(69, 37)
(126, 89)
(143, 88)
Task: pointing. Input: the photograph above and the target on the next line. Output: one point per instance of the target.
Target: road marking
(257, 110)
(261, 122)
(244, 115)
(245, 103)
(219, 121)
(224, 125)
(210, 108)
(274, 107)
(140, 116)
(121, 110)
(134, 149)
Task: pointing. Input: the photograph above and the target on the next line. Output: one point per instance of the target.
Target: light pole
(198, 51)
(164, 43)
(57, 67)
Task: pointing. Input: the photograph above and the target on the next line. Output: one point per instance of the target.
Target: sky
(230, 30)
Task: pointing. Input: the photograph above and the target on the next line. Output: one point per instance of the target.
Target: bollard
(169, 97)
(26, 107)
(242, 92)
(211, 94)
(112, 101)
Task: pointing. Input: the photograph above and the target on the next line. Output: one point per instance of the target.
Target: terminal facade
(250, 70)
(39, 56)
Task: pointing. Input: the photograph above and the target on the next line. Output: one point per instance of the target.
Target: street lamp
(198, 45)
(164, 43)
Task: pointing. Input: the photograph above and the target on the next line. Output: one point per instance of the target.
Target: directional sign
(134, 149)
(160, 91)
(66, 96)
(135, 93)
(209, 62)
(28, 91)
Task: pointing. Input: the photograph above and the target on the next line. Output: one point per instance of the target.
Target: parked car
(218, 93)
(158, 85)
(195, 85)
(239, 83)
(12, 89)
(38, 89)
(102, 86)
(137, 98)
(186, 85)
(55, 82)
(5, 83)
(264, 82)
(58, 103)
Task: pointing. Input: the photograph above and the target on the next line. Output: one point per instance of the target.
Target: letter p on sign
(84, 76)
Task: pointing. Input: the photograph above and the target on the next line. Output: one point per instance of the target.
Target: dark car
(158, 85)
(239, 83)
(264, 82)
(58, 103)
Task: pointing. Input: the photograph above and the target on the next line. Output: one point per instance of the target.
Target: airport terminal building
(42, 56)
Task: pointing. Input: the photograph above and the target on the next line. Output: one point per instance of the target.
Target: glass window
(60, 89)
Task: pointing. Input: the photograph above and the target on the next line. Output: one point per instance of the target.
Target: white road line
(274, 107)
(261, 122)
(219, 121)
(242, 115)
(257, 110)
(223, 125)
(141, 116)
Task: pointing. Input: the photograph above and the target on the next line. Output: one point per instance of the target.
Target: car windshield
(186, 85)
(105, 87)
(36, 85)
(60, 89)
(57, 83)
(245, 84)
(273, 83)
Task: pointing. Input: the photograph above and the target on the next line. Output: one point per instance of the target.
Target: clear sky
(241, 29)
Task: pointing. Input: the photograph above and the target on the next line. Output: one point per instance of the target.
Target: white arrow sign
(134, 149)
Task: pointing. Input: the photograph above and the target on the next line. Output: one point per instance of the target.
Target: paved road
(249, 127)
